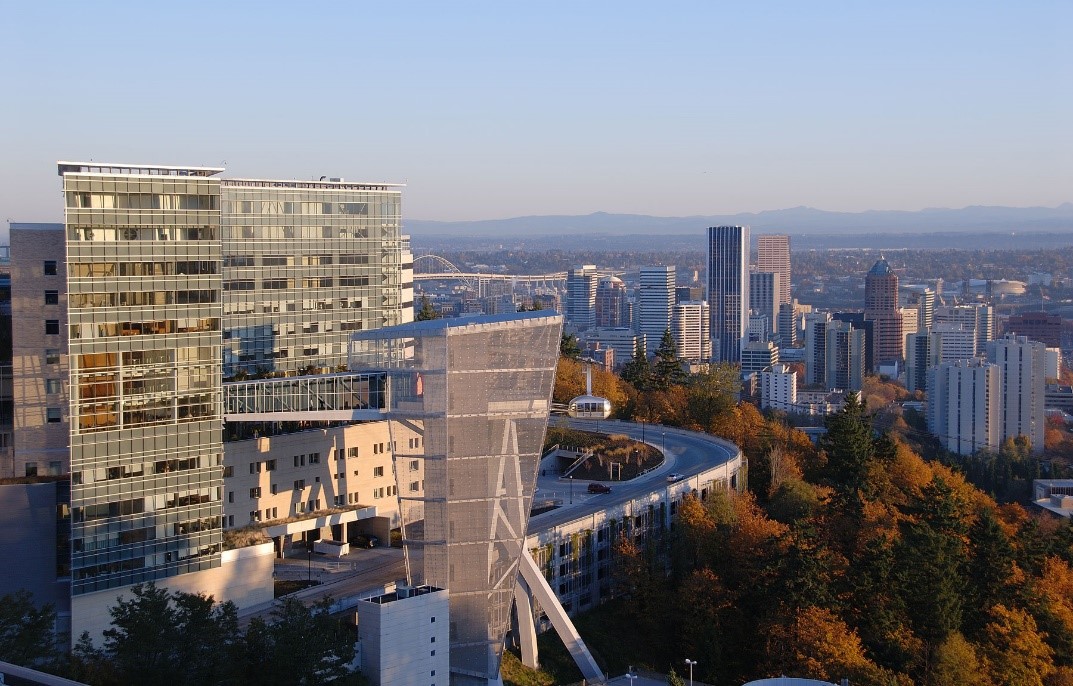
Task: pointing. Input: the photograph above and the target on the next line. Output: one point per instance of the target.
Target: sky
(500, 109)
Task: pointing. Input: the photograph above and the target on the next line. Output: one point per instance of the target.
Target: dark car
(364, 541)
(599, 488)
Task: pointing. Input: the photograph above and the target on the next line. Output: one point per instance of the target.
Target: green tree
(569, 347)
(667, 370)
(302, 645)
(713, 394)
(991, 568)
(637, 372)
(849, 447)
(673, 679)
(27, 633)
(426, 312)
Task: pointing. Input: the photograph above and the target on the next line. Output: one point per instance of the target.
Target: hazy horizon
(493, 111)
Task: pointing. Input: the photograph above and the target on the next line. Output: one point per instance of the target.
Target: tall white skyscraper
(691, 332)
(773, 255)
(656, 299)
(976, 317)
(765, 289)
(728, 290)
(580, 307)
(1023, 364)
(964, 408)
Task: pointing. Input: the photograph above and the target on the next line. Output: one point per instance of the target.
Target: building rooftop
(133, 169)
(880, 268)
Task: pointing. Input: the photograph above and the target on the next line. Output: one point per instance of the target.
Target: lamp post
(571, 489)
(690, 663)
(631, 676)
(664, 443)
(309, 560)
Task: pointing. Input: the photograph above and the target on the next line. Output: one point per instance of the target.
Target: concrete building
(765, 290)
(404, 636)
(612, 305)
(623, 340)
(861, 322)
(1054, 363)
(816, 324)
(39, 352)
(728, 290)
(923, 350)
(759, 328)
(1023, 366)
(757, 356)
(655, 299)
(977, 317)
(881, 307)
(1037, 326)
(773, 255)
(778, 388)
(845, 352)
(957, 342)
(690, 328)
(964, 399)
(922, 299)
(580, 305)
(788, 324)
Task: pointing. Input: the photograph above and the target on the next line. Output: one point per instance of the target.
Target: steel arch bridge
(473, 280)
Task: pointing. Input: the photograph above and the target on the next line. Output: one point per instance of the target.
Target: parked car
(599, 488)
(366, 541)
(675, 476)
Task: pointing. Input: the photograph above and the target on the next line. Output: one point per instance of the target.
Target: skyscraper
(881, 306)
(816, 324)
(765, 289)
(845, 351)
(1023, 364)
(964, 405)
(655, 298)
(977, 317)
(612, 305)
(691, 334)
(922, 352)
(580, 308)
(773, 255)
(728, 290)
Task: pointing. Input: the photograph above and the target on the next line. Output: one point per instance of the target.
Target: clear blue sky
(500, 109)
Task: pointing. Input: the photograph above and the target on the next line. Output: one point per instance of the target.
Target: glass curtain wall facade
(728, 290)
(480, 388)
(305, 264)
(144, 313)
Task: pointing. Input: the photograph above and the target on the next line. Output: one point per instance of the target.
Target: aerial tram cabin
(589, 406)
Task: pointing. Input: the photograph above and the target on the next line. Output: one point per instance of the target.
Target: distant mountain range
(796, 220)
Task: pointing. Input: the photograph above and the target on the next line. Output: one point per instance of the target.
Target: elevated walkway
(345, 396)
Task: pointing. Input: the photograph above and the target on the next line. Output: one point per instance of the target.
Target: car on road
(599, 488)
(365, 541)
(675, 476)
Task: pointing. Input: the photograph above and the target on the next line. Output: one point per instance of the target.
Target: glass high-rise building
(728, 290)
(655, 299)
(773, 255)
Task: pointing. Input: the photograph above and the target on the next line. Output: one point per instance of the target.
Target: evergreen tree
(27, 633)
(569, 347)
(426, 312)
(637, 372)
(991, 568)
(668, 369)
(849, 445)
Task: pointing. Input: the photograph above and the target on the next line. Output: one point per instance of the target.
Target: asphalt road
(687, 453)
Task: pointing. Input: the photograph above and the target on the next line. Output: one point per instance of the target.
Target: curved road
(687, 452)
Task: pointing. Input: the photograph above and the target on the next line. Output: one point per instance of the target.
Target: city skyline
(847, 109)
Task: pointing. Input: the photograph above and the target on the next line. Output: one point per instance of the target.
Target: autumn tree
(1014, 651)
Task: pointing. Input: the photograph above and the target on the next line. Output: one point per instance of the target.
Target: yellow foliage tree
(1014, 649)
(956, 663)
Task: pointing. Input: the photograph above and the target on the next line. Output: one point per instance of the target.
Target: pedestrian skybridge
(340, 397)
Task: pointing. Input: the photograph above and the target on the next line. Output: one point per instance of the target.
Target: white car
(675, 476)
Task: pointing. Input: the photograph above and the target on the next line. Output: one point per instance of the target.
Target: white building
(1023, 364)
(977, 317)
(1054, 363)
(765, 290)
(958, 341)
(778, 388)
(691, 333)
(758, 355)
(773, 255)
(655, 298)
(580, 308)
(964, 403)
(404, 636)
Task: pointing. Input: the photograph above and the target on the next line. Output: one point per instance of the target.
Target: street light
(664, 443)
(631, 677)
(690, 663)
(571, 489)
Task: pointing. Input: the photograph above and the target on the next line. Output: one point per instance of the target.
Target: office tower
(581, 297)
(964, 405)
(40, 426)
(910, 319)
(1023, 364)
(923, 350)
(845, 349)
(1037, 326)
(977, 317)
(759, 327)
(773, 255)
(765, 289)
(305, 263)
(778, 388)
(482, 445)
(684, 294)
(958, 342)
(612, 309)
(655, 297)
(691, 335)
(881, 307)
(623, 340)
(788, 326)
(923, 299)
(757, 356)
(728, 290)
(860, 322)
(816, 324)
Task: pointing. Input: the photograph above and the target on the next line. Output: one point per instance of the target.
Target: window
(299, 484)
(299, 460)
(229, 471)
(314, 458)
(415, 486)
(230, 496)
(273, 489)
(255, 492)
(52, 327)
(378, 471)
(31, 469)
(340, 454)
(270, 466)
(53, 415)
(52, 385)
(52, 356)
(50, 268)
(433, 639)
(52, 297)
(352, 452)
(415, 465)
(340, 475)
